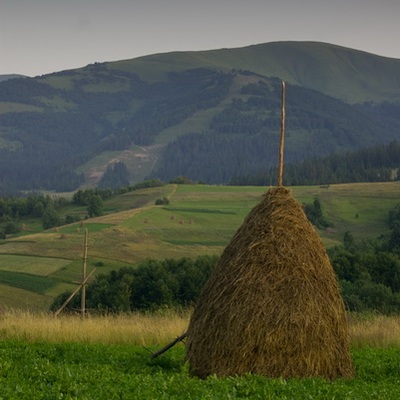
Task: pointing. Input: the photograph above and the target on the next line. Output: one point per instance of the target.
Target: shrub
(162, 201)
(151, 285)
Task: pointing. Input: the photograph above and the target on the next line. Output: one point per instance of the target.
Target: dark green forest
(243, 139)
(67, 118)
(380, 163)
(51, 143)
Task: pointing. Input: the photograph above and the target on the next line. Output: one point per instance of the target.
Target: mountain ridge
(215, 113)
(274, 55)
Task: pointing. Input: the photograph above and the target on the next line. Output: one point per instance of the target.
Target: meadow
(37, 265)
(43, 357)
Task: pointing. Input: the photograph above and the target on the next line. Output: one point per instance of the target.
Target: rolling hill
(200, 220)
(210, 115)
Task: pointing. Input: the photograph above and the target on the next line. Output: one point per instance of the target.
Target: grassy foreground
(83, 371)
(43, 357)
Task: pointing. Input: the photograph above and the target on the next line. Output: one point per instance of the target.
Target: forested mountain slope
(210, 115)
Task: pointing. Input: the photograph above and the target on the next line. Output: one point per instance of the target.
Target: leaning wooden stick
(169, 345)
(74, 293)
(282, 142)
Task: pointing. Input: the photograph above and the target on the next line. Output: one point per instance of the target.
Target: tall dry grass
(135, 328)
(159, 328)
(374, 331)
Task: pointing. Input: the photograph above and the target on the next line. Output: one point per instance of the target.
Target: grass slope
(327, 68)
(200, 219)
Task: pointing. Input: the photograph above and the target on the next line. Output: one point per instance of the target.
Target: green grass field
(109, 357)
(88, 371)
(200, 219)
(42, 266)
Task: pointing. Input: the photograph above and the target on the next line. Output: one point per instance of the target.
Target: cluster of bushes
(369, 272)
(162, 201)
(152, 284)
(49, 209)
(12, 209)
(314, 213)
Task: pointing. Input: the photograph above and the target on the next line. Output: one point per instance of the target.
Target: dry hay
(272, 305)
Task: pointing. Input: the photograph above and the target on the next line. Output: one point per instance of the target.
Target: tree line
(48, 209)
(51, 210)
(151, 285)
(379, 163)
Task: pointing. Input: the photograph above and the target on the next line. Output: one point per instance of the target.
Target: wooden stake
(169, 345)
(73, 293)
(83, 284)
(282, 142)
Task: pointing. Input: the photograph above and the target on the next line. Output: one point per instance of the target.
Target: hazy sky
(44, 36)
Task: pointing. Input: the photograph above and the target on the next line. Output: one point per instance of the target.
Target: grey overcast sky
(43, 36)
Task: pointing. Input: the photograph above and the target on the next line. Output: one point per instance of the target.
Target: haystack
(272, 306)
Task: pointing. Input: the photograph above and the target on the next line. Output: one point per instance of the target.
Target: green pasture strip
(361, 208)
(88, 371)
(186, 225)
(57, 103)
(73, 272)
(92, 227)
(225, 199)
(30, 225)
(16, 298)
(10, 107)
(61, 287)
(46, 245)
(215, 190)
(188, 235)
(136, 198)
(33, 283)
(200, 210)
(198, 122)
(98, 162)
(65, 82)
(198, 242)
(41, 266)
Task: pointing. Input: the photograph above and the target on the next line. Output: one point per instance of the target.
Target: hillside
(11, 76)
(200, 220)
(350, 75)
(210, 115)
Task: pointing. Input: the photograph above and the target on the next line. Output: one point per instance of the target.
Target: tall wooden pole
(282, 142)
(83, 292)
